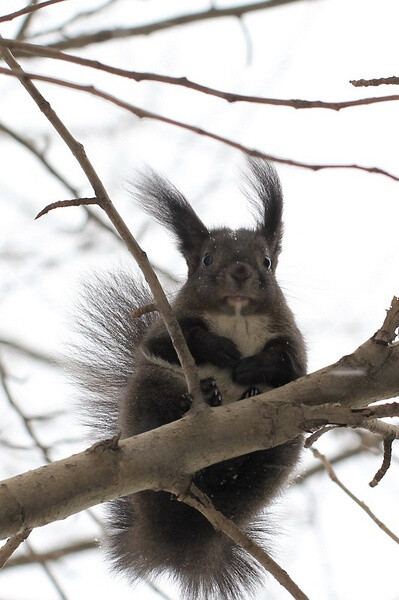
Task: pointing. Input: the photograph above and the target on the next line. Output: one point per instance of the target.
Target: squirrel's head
(228, 270)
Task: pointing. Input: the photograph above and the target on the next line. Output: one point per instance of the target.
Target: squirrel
(244, 340)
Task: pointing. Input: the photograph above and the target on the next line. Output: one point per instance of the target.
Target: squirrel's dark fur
(244, 340)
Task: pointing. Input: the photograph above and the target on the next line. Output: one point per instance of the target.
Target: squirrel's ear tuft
(163, 201)
(263, 190)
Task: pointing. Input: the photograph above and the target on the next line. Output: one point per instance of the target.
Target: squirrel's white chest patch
(249, 333)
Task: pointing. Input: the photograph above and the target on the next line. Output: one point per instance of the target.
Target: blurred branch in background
(82, 40)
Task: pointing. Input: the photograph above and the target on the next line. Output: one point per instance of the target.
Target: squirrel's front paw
(186, 401)
(252, 391)
(210, 391)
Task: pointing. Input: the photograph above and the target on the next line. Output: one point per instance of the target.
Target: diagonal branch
(360, 503)
(104, 201)
(11, 545)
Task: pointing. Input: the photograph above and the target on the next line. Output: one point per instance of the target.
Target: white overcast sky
(340, 261)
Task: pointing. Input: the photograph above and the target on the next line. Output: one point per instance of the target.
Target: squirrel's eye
(267, 262)
(207, 259)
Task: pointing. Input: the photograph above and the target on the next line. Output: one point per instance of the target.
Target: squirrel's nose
(240, 272)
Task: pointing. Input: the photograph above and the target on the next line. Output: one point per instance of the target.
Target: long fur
(128, 371)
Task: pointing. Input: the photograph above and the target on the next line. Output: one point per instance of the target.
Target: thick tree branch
(106, 471)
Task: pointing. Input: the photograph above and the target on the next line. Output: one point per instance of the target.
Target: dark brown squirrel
(244, 340)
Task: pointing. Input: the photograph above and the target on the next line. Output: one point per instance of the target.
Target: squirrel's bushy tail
(101, 361)
(150, 534)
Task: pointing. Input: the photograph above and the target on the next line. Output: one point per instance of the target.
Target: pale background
(339, 267)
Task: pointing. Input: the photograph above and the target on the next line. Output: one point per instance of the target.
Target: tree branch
(375, 82)
(11, 545)
(25, 48)
(123, 32)
(195, 498)
(106, 471)
(28, 10)
(145, 114)
(360, 503)
(104, 201)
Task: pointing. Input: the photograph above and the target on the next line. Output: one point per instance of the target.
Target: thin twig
(48, 571)
(143, 310)
(318, 468)
(63, 203)
(375, 82)
(317, 434)
(145, 114)
(386, 463)
(28, 9)
(11, 545)
(360, 503)
(197, 499)
(138, 76)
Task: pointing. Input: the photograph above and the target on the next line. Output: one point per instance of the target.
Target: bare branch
(340, 457)
(50, 575)
(28, 9)
(25, 48)
(64, 203)
(107, 470)
(317, 434)
(360, 503)
(375, 82)
(123, 32)
(145, 114)
(143, 310)
(387, 333)
(11, 545)
(386, 463)
(25, 420)
(186, 360)
(25, 23)
(198, 500)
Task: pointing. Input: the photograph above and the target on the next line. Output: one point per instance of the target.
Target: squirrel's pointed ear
(264, 191)
(163, 201)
